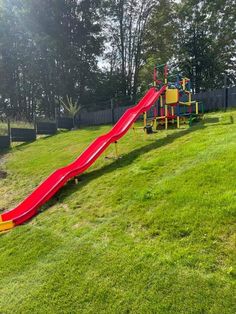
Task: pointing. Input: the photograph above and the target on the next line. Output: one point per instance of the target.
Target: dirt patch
(3, 174)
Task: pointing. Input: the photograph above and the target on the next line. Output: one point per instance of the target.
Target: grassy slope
(150, 233)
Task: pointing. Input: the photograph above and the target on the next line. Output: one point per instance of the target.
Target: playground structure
(175, 105)
(165, 97)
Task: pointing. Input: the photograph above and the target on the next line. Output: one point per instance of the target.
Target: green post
(190, 121)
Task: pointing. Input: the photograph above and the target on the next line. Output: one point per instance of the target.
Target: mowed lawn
(152, 232)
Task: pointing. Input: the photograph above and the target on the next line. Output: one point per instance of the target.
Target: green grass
(3, 129)
(152, 232)
(14, 124)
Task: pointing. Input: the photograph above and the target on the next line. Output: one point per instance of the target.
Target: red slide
(29, 207)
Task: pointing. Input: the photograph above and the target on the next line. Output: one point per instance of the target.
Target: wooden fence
(26, 135)
(5, 142)
(231, 94)
(22, 135)
(219, 99)
(49, 128)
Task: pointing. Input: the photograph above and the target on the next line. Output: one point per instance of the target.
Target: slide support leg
(178, 116)
(155, 124)
(116, 150)
(134, 131)
(197, 108)
(166, 117)
(172, 113)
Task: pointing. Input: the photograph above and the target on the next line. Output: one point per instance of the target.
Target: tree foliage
(126, 27)
(197, 38)
(48, 49)
(159, 40)
(93, 50)
(206, 43)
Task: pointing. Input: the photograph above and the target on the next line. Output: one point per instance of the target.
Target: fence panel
(212, 100)
(102, 117)
(23, 135)
(232, 97)
(118, 112)
(96, 118)
(65, 123)
(5, 142)
(46, 128)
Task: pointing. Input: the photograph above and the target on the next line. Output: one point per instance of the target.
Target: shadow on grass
(59, 131)
(22, 145)
(93, 127)
(232, 121)
(126, 160)
(211, 120)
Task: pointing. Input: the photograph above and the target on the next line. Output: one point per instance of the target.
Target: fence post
(112, 111)
(9, 130)
(56, 116)
(225, 93)
(35, 123)
(9, 127)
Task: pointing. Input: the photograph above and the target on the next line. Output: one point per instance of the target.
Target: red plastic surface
(29, 207)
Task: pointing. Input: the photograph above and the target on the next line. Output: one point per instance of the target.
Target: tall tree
(206, 42)
(126, 26)
(48, 50)
(160, 39)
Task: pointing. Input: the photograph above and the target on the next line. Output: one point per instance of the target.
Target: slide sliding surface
(29, 207)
